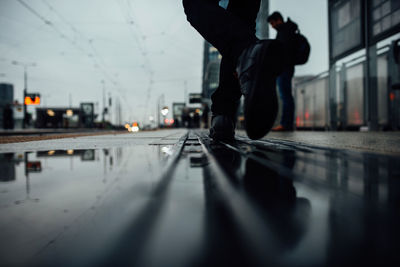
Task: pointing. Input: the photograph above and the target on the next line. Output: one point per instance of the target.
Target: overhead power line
(130, 18)
(94, 55)
(34, 12)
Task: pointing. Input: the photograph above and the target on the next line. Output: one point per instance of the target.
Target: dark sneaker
(222, 128)
(257, 69)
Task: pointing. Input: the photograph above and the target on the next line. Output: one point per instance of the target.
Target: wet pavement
(175, 198)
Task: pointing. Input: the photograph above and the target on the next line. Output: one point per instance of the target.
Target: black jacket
(286, 34)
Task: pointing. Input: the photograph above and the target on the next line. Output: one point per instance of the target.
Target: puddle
(46, 193)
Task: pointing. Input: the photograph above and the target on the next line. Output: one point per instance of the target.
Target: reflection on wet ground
(198, 203)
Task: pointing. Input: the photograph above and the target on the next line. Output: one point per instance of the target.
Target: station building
(360, 91)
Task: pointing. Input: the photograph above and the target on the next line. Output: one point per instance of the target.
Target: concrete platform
(176, 198)
(377, 142)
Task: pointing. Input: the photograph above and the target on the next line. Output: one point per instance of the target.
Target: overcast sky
(141, 49)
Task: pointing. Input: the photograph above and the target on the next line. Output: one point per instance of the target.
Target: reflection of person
(249, 66)
(276, 197)
(185, 117)
(196, 120)
(272, 196)
(286, 34)
(204, 116)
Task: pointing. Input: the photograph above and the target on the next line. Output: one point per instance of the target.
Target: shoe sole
(261, 104)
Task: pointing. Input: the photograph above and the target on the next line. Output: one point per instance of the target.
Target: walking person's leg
(225, 100)
(225, 30)
(285, 90)
(257, 63)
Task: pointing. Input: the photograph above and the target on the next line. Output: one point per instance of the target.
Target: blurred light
(164, 111)
(392, 96)
(128, 127)
(51, 152)
(166, 150)
(213, 49)
(169, 121)
(357, 116)
(70, 152)
(32, 101)
(51, 113)
(197, 110)
(135, 129)
(151, 118)
(70, 113)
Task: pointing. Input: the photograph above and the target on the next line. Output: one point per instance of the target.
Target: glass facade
(385, 16)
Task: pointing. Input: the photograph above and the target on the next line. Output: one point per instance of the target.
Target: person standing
(287, 35)
(8, 117)
(249, 66)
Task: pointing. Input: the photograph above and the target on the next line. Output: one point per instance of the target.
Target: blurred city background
(139, 65)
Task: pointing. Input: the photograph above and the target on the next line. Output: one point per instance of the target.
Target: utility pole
(25, 65)
(109, 107)
(158, 112)
(118, 111)
(24, 122)
(185, 94)
(159, 108)
(104, 101)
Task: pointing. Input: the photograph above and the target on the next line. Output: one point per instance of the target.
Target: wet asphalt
(176, 198)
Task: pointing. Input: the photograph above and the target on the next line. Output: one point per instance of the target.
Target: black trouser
(230, 31)
(284, 82)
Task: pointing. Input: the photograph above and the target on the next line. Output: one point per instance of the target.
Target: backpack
(302, 49)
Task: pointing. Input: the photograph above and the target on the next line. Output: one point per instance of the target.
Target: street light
(25, 65)
(69, 113)
(164, 111)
